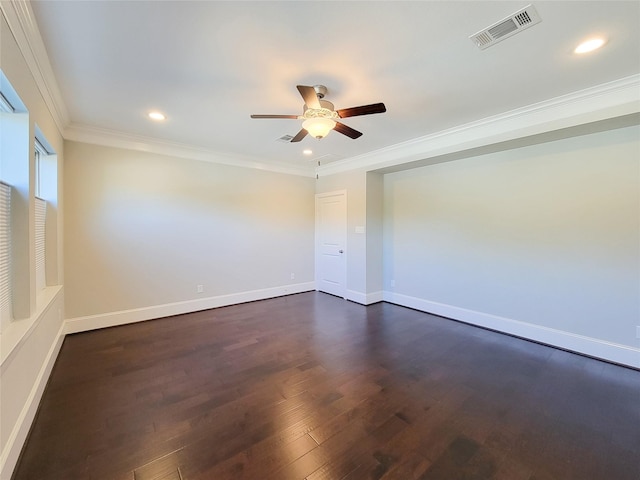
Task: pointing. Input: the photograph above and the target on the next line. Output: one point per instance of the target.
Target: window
(6, 310)
(41, 181)
(29, 226)
(41, 221)
(40, 152)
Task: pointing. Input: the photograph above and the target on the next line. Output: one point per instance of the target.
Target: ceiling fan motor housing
(321, 91)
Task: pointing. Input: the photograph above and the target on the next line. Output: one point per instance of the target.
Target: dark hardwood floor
(313, 387)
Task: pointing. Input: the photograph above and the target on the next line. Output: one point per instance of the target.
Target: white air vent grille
(285, 138)
(502, 29)
(521, 20)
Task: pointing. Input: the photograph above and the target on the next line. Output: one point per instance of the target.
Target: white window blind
(41, 217)
(5, 254)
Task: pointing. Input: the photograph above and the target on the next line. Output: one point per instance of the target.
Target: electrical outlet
(200, 288)
(393, 283)
(293, 276)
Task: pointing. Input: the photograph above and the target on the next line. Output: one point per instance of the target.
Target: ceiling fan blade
(299, 136)
(363, 110)
(274, 116)
(310, 96)
(348, 131)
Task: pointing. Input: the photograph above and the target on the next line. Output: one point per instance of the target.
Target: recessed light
(307, 152)
(589, 45)
(157, 116)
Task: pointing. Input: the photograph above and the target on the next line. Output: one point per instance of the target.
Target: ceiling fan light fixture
(318, 127)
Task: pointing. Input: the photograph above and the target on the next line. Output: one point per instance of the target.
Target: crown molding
(111, 138)
(606, 101)
(613, 99)
(21, 20)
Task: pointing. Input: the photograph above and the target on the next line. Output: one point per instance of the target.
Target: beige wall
(546, 235)
(144, 229)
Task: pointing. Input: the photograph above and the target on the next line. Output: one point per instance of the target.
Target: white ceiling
(208, 65)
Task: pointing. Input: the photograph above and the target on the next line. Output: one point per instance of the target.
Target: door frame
(316, 262)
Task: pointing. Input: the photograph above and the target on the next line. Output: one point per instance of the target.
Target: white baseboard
(593, 347)
(364, 298)
(18, 435)
(123, 317)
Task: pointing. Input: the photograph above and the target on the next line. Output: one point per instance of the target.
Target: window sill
(18, 331)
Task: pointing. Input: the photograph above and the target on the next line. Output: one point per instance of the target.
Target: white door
(331, 240)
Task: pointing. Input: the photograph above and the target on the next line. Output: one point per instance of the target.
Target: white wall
(541, 241)
(143, 230)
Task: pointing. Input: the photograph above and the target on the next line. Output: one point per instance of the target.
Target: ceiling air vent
(521, 20)
(285, 138)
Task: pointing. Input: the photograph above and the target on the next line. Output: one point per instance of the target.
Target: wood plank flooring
(313, 387)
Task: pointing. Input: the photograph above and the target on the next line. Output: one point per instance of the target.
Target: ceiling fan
(320, 116)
